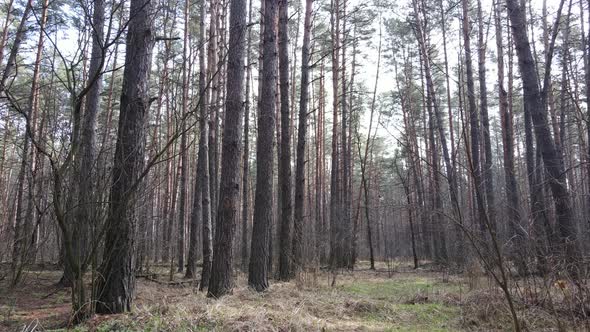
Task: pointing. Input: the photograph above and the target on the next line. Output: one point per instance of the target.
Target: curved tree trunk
(534, 100)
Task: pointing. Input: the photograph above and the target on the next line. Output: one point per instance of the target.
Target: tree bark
(534, 100)
(221, 281)
(198, 211)
(515, 226)
(184, 160)
(246, 158)
(301, 142)
(487, 171)
(116, 284)
(474, 167)
(285, 181)
(258, 269)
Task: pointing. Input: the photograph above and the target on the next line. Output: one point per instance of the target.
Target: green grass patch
(397, 289)
(389, 304)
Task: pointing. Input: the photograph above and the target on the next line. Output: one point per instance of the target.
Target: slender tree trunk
(214, 65)
(337, 228)
(21, 31)
(246, 158)
(24, 229)
(205, 194)
(515, 226)
(448, 86)
(474, 168)
(202, 163)
(184, 160)
(5, 29)
(285, 181)
(346, 167)
(586, 50)
(450, 171)
(301, 142)
(487, 171)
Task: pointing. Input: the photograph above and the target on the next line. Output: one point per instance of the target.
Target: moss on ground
(407, 304)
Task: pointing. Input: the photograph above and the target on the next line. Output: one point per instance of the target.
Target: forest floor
(398, 299)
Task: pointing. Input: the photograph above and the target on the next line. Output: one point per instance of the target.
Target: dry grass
(363, 301)
(407, 300)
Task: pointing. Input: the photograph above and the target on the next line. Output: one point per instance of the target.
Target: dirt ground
(401, 299)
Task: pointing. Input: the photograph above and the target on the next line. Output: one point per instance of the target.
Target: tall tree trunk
(448, 86)
(206, 211)
(337, 245)
(221, 281)
(586, 48)
(474, 166)
(24, 227)
(204, 192)
(184, 160)
(364, 157)
(346, 152)
(214, 65)
(431, 92)
(301, 142)
(198, 212)
(86, 171)
(116, 284)
(487, 171)
(534, 100)
(246, 158)
(285, 181)
(515, 226)
(258, 268)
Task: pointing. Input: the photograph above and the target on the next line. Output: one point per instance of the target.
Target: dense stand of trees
(452, 133)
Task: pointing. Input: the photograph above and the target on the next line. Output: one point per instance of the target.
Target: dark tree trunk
(534, 100)
(450, 171)
(474, 165)
(214, 65)
(285, 182)
(184, 158)
(515, 226)
(221, 281)
(586, 48)
(338, 245)
(487, 171)
(205, 196)
(116, 284)
(23, 249)
(301, 142)
(258, 270)
(246, 158)
(7, 21)
(21, 31)
(85, 209)
(202, 162)
(345, 188)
